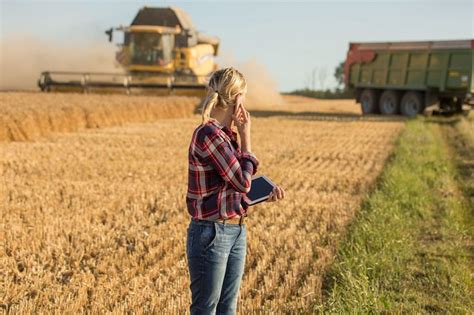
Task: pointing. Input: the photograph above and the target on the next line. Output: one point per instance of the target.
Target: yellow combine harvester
(162, 53)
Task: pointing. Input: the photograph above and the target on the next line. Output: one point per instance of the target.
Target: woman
(220, 174)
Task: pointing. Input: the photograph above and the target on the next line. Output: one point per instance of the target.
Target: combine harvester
(407, 77)
(162, 53)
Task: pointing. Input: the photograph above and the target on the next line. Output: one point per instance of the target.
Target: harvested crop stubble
(96, 220)
(30, 116)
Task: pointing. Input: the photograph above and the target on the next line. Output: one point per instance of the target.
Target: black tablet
(259, 190)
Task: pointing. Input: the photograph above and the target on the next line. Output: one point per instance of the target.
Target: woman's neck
(223, 117)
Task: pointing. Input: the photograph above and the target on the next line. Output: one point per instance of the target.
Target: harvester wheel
(368, 101)
(389, 103)
(412, 104)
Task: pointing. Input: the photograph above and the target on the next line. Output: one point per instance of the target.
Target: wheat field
(30, 116)
(95, 220)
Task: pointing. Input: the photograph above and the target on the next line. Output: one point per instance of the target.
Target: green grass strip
(410, 249)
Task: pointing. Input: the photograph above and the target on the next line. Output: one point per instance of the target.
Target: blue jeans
(216, 259)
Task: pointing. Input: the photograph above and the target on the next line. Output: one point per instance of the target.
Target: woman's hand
(277, 194)
(241, 118)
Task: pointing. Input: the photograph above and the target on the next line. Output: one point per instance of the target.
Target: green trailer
(406, 77)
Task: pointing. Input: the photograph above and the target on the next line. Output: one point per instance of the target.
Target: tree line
(315, 84)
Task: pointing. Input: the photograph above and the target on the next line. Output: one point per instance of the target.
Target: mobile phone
(237, 103)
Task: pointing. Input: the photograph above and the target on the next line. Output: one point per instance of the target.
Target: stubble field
(95, 220)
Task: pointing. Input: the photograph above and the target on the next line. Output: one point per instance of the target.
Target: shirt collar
(232, 134)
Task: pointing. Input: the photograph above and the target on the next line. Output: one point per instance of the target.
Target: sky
(289, 38)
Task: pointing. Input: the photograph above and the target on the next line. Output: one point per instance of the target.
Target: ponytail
(209, 103)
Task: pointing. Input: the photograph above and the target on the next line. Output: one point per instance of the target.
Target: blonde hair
(223, 87)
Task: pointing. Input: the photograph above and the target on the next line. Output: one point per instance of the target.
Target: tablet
(259, 190)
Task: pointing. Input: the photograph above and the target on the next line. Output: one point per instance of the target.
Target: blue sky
(288, 38)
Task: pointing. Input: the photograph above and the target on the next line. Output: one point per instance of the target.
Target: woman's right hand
(277, 194)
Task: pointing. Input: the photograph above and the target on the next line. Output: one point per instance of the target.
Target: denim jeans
(216, 259)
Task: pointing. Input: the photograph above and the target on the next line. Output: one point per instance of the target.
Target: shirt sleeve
(234, 170)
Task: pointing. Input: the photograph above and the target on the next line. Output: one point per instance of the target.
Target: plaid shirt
(219, 175)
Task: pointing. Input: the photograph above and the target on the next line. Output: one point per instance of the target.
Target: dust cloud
(262, 89)
(23, 57)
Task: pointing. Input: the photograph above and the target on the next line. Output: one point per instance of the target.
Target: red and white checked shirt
(219, 175)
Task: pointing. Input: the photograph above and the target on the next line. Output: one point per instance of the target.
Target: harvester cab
(161, 53)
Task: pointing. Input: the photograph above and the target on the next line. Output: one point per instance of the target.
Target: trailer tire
(411, 104)
(389, 103)
(368, 101)
(458, 105)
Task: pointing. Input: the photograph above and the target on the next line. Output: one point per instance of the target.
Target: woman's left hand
(277, 194)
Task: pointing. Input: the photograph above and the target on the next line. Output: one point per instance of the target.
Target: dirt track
(301, 104)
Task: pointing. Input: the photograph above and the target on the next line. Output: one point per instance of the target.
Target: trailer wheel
(458, 105)
(411, 104)
(368, 101)
(389, 103)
